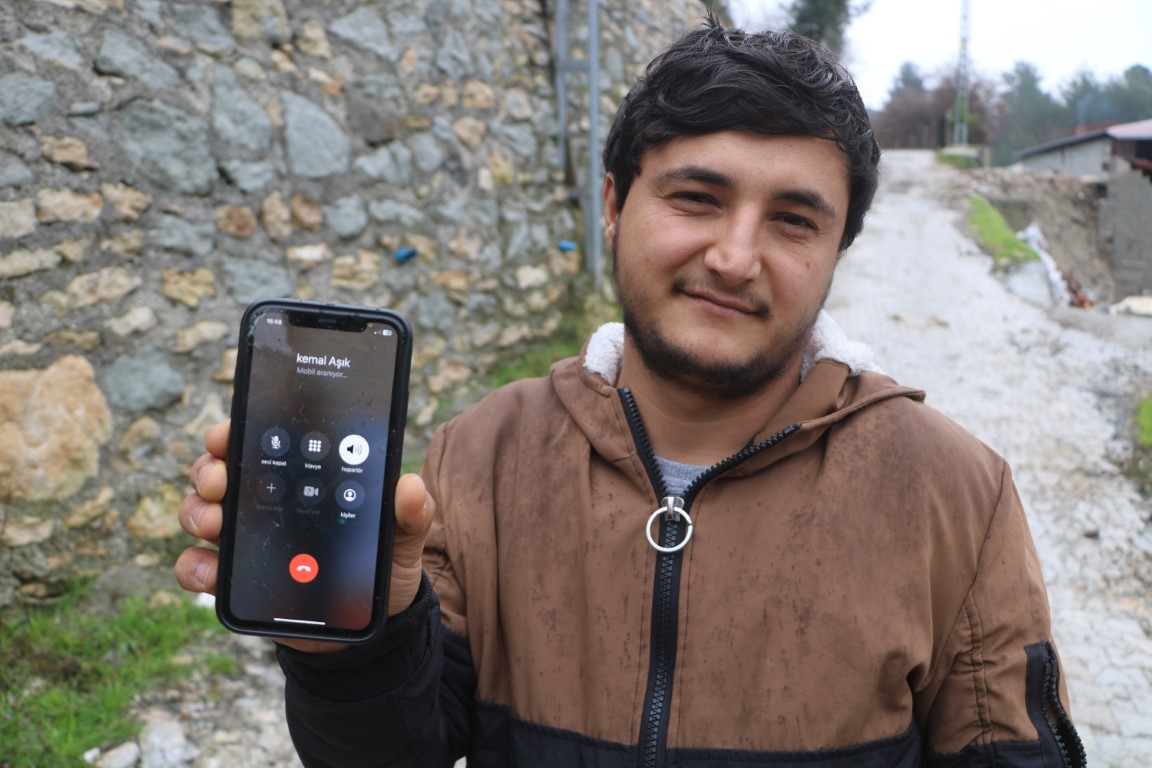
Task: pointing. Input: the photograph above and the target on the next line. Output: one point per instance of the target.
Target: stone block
(60, 205)
(25, 262)
(53, 422)
(142, 380)
(316, 145)
(17, 219)
(188, 287)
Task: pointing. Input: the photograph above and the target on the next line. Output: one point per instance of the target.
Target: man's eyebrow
(696, 173)
(809, 198)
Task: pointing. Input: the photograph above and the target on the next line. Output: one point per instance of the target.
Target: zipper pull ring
(672, 511)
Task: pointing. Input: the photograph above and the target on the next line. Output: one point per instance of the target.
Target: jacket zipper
(1060, 726)
(666, 588)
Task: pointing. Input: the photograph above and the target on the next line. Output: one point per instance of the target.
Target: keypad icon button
(315, 446)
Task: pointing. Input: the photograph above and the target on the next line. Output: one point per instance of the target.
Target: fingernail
(193, 517)
(198, 476)
(200, 575)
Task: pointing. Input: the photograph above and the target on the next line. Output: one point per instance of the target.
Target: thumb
(414, 510)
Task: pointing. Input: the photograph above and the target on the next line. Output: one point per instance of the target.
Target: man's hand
(201, 515)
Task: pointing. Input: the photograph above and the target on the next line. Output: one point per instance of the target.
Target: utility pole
(960, 110)
(591, 204)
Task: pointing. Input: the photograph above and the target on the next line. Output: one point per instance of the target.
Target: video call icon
(310, 491)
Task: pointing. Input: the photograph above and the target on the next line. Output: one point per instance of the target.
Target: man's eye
(698, 198)
(795, 221)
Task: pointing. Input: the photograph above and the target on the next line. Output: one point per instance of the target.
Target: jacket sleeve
(401, 700)
(1001, 699)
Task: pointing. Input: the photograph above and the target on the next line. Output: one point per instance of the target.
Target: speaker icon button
(354, 450)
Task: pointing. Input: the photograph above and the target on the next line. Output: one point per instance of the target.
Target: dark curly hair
(775, 83)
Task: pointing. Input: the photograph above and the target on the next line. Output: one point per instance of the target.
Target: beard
(732, 379)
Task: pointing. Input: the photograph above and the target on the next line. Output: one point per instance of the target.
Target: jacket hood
(605, 350)
(838, 378)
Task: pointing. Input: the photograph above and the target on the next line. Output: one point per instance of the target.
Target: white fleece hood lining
(828, 342)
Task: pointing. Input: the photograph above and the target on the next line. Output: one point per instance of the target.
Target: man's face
(724, 254)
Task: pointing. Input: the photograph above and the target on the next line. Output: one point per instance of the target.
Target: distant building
(1093, 152)
(1120, 157)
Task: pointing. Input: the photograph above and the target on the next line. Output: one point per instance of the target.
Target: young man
(720, 536)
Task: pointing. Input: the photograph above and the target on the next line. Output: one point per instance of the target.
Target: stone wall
(163, 164)
(1126, 229)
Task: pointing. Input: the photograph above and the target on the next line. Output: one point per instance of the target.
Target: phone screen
(310, 488)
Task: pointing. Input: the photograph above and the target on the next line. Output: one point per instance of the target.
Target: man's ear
(611, 212)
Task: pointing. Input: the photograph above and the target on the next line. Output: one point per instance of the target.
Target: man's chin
(730, 382)
(710, 374)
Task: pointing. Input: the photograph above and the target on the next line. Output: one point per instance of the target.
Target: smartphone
(318, 412)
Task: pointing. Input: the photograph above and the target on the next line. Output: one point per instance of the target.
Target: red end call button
(303, 568)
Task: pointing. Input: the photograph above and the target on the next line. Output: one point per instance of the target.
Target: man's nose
(735, 253)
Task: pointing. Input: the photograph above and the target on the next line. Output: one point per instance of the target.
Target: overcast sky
(1059, 37)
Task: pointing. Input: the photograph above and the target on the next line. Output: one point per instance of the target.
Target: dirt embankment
(1065, 209)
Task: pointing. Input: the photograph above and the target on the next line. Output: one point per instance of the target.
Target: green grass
(221, 664)
(68, 675)
(1139, 467)
(535, 361)
(995, 236)
(960, 162)
(582, 321)
(1144, 423)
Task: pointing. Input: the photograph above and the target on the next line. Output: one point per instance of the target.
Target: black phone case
(322, 315)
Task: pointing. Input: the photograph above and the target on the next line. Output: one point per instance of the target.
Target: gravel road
(1051, 388)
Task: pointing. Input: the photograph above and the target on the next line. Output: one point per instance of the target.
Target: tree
(1084, 101)
(1014, 116)
(1029, 115)
(1120, 100)
(1131, 96)
(824, 20)
(908, 81)
(916, 114)
(910, 118)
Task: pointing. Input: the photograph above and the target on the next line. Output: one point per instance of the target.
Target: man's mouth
(737, 304)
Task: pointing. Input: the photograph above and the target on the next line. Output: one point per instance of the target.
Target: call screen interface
(310, 491)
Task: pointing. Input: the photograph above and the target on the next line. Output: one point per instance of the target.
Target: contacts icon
(349, 495)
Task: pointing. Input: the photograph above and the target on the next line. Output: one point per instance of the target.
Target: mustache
(745, 300)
